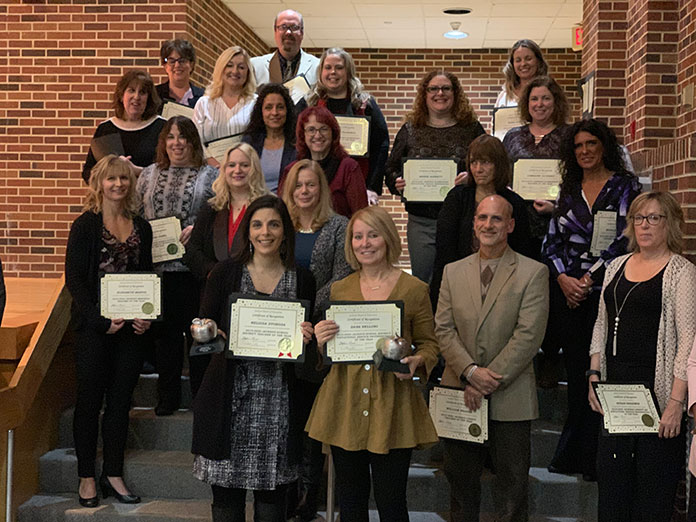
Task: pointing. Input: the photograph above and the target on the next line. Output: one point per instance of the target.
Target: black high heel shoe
(108, 490)
(90, 502)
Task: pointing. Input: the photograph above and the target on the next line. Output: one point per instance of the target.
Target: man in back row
(289, 60)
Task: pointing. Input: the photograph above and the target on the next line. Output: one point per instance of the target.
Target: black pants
(229, 504)
(181, 299)
(389, 474)
(509, 449)
(107, 366)
(637, 477)
(577, 448)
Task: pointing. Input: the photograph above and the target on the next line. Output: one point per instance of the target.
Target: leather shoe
(108, 490)
(90, 502)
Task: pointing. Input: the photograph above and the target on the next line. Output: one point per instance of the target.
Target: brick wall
(60, 62)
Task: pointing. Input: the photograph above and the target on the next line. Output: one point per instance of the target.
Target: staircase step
(145, 393)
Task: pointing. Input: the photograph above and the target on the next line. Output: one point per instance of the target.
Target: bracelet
(589, 373)
(677, 400)
(471, 372)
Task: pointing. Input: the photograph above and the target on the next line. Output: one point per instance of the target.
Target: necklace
(306, 231)
(618, 310)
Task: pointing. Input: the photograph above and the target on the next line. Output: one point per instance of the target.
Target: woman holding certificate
(319, 139)
(339, 90)
(441, 125)
(373, 419)
(225, 109)
(585, 234)
(271, 131)
(108, 237)
(134, 130)
(215, 237)
(246, 434)
(172, 191)
(643, 334)
(526, 61)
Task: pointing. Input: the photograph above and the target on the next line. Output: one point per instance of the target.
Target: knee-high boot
(228, 514)
(265, 512)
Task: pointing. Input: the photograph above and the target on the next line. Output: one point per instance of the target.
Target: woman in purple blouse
(585, 235)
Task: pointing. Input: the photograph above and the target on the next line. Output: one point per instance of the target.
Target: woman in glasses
(178, 59)
(644, 332)
(596, 192)
(441, 124)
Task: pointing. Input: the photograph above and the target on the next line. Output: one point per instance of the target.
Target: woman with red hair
(319, 139)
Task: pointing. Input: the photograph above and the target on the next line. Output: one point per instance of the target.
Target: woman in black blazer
(108, 237)
(271, 132)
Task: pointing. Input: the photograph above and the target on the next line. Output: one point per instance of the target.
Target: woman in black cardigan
(245, 428)
(489, 170)
(108, 237)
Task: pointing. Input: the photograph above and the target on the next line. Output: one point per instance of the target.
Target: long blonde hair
(215, 87)
(111, 164)
(324, 210)
(257, 184)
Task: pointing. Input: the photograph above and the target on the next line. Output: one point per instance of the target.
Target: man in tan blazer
(490, 320)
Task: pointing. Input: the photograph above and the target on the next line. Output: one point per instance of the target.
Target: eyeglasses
(653, 219)
(293, 28)
(324, 131)
(436, 88)
(174, 61)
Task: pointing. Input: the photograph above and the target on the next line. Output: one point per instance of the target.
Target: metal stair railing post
(8, 477)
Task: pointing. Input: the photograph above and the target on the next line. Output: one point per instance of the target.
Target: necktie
(486, 276)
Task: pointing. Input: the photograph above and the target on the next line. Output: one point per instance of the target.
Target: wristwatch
(591, 372)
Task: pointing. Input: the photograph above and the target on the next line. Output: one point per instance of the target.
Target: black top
(455, 230)
(139, 144)
(212, 412)
(82, 257)
(639, 322)
(163, 92)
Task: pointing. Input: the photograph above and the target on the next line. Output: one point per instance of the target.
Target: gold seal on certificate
(537, 178)
(355, 134)
(130, 296)
(453, 420)
(628, 408)
(298, 87)
(428, 180)
(218, 148)
(504, 119)
(362, 327)
(165, 239)
(266, 328)
(171, 109)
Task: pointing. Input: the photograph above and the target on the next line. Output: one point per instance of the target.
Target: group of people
(288, 213)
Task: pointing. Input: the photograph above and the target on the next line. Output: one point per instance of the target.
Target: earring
(251, 248)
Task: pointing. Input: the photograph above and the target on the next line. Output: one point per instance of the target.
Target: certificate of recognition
(266, 328)
(537, 178)
(355, 134)
(628, 408)
(603, 231)
(171, 109)
(428, 179)
(130, 296)
(165, 239)
(218, 148)
(453, 420)
(361, 326)
(504, 119)
(298, 88)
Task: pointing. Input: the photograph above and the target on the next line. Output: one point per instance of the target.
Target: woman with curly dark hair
(441, 124)
(271, 131)
(596, 193)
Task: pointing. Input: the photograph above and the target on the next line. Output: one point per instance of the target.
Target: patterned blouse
(566, 248)
(519, 143)
(115, 256)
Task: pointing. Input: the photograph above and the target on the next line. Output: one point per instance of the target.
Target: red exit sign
(577, 38)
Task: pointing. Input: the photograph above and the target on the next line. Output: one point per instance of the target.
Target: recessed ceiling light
(457, 11)
(455, 33)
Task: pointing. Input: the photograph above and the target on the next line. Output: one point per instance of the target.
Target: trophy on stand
(206, 339)
(390, 351)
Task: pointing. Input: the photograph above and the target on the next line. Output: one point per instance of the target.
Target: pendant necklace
(618, 310)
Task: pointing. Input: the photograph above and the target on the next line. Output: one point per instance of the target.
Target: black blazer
(212, 413)
(82, 267)
(163, 92)
(289, 151)
(208, 243)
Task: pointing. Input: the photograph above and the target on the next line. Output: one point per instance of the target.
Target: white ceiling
(418, 24)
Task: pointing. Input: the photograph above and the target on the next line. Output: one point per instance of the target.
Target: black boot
(228, 514)
(264, 512)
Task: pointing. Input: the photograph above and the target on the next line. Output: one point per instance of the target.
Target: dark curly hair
(571, 172)
(190, 133)
(461, 108)
(323, 115)
(257, 126)
(561, 109)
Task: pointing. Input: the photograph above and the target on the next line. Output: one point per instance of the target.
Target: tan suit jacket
(503, 333)
(308, 66)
